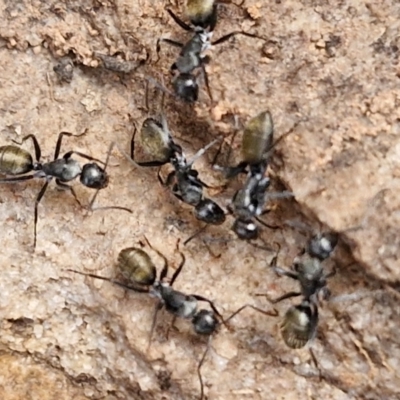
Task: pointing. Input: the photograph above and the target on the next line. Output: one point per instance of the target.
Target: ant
(139, 274)
(184, 182)
(248, 203)
(204, 18)
(17, 162)
(300, 323)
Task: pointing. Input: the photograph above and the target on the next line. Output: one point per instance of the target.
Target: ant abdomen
(257, 138)
(299, 325)
(136, 266)
(156, 141)
(15, 161)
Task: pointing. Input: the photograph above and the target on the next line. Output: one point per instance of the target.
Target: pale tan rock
(335, 67)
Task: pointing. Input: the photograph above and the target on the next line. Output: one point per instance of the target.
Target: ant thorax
(63, 169)
(177, 303)
(308, 267)
(205, 38)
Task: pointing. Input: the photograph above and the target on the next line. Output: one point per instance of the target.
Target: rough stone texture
(333, 65)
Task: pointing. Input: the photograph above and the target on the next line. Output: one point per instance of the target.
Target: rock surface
(330, 67)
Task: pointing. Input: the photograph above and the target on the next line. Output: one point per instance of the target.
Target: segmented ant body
(184, 180)
(248, 203)
(18, 163)
(139, 275)
(191, 56)
(300, 322)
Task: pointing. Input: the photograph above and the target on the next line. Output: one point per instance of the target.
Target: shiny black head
(209, 212)
(93, 176)
(205, 322)
(245, 230)
(321, 246)
(186, 87)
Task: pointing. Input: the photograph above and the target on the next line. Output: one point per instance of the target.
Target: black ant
(204, 19)
(139, 274)
(248, 203)
(300, 323)
(17, 162)
(184, 181)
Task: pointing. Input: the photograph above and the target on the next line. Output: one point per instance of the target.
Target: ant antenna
(90, 206)
(260, 310)
(203, 150)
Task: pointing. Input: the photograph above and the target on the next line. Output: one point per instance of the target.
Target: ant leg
(189, 239)
(17, 178)
(133, 137)
(179, 269)
(229, 35)
(159, 85)
(135, 289)
(283, 272)
(159, 306)
(90, 206)
(131, 159)
(146, 98)
(165, 40)
(227, 169)
(37, 201)
(267, 155)
(59, 141)
(164, 270)
(269, 313)
(68, 155)
(203, 150)
(281, 298)
(314, 359)
(231, 172)
(280, 271)
(206, 81)
(201, 298)
(69, 188)
(35, 145)
(199, 368)
(214, 17)
(182, 24)
(267, 225)
(169, 179)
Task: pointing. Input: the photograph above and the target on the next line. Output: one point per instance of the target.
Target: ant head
(322, 245)
(205, 322)
(93, 176)
(209, 212)
(186, 87)
(245, 230)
